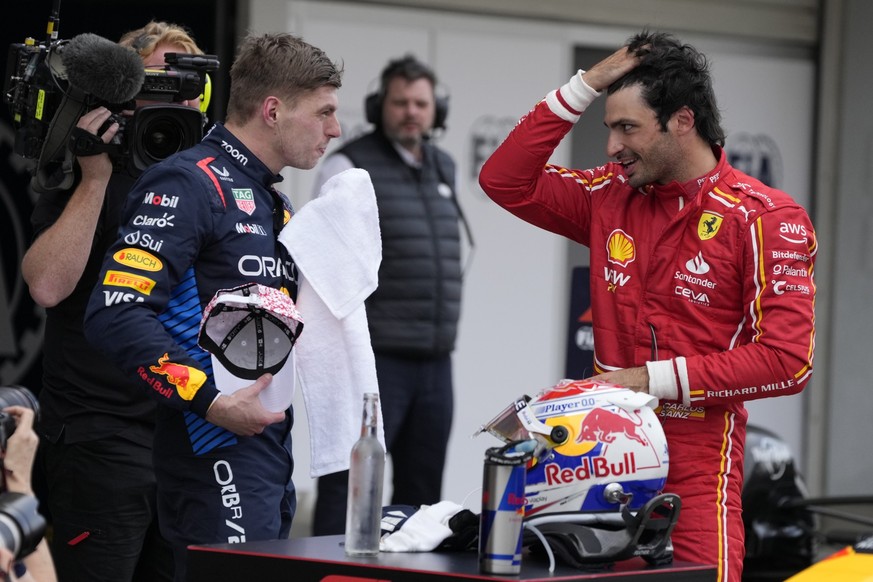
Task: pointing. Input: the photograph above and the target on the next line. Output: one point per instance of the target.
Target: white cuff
(578, 93)
(662, 380)
(572, 99)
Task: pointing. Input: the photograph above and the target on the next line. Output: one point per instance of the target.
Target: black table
(322, 559)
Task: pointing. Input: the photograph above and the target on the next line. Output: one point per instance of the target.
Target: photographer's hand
(55, 261)
(17, 466)
(20, 451)
(97, 167)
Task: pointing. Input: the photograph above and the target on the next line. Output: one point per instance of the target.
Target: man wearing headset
(413, 315)
(96, 423)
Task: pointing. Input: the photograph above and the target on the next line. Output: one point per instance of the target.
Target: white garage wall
(515, 296)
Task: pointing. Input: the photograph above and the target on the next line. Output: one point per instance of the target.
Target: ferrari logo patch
(709, 224)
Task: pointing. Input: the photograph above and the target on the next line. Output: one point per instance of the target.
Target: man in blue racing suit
(203, 220)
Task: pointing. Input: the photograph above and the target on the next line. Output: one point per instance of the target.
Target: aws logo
(620, 248)
(793, 233)
(708, 225)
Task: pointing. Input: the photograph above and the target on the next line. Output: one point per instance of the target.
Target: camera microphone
(102, 68)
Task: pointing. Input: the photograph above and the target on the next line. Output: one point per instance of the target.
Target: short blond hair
(146, 39)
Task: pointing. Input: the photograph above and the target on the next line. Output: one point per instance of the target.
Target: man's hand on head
(611, 69)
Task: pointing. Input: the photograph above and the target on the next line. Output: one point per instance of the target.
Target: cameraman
(96, 424)
(17, 466)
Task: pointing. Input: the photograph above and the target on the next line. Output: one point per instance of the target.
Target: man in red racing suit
(701, 276)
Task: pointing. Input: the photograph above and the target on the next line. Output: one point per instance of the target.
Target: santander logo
(697, 265)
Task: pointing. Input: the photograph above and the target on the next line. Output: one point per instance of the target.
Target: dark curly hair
(674, 75)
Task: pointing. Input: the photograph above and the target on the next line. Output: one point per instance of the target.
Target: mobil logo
(604, 425)
(164, 200)
(186, 379)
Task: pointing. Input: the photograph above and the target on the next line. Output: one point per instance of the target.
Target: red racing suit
(712, 290)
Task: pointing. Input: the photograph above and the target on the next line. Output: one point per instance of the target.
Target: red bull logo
(590, 468)
(604, 426)
(186, 379)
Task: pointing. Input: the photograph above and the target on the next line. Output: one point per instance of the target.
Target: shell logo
(620, 248)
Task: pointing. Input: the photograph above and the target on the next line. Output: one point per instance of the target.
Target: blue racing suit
(202, 220)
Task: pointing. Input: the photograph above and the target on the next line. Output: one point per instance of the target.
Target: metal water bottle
(366, 472)
(500, 527)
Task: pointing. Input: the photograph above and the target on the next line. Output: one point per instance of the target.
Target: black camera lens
(163, 137)
(159, 131)
(21, 525)
(18, 396)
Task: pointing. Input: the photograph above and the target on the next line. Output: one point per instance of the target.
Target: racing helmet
(593, 491)
(602, 446)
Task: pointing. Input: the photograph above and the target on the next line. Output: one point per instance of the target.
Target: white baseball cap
(250, 329)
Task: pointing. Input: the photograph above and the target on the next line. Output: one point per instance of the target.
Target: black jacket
(416, 307)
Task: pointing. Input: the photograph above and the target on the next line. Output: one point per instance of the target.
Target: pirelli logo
(121, 279)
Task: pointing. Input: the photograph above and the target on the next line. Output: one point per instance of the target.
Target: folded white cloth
(424, 531)
(335, 243)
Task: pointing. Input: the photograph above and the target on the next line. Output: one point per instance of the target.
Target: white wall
(848, 466)
(515, 296)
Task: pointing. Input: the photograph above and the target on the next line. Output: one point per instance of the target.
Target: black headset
(407, 67)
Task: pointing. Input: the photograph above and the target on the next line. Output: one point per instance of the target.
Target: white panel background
(515, 297)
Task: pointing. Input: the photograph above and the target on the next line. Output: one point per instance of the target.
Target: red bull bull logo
(186, 379)
(604, 426)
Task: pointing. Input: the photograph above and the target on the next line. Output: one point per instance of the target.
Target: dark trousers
(101, 495)
(237, 493)
(417, 406)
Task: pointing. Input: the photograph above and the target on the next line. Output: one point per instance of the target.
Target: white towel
(335, 243)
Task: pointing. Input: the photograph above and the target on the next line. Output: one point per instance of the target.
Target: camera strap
(56, 150)
(85, 143)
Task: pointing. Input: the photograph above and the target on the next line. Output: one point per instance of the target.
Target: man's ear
(684, 119)
(270, 110)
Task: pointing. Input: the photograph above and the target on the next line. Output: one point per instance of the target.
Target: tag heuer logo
(245, 199)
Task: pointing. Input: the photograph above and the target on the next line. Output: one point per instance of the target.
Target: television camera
(51, 84)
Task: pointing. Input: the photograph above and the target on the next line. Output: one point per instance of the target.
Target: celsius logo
(756, 155)
(235, 153)
(620, 248)
(697, 265)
